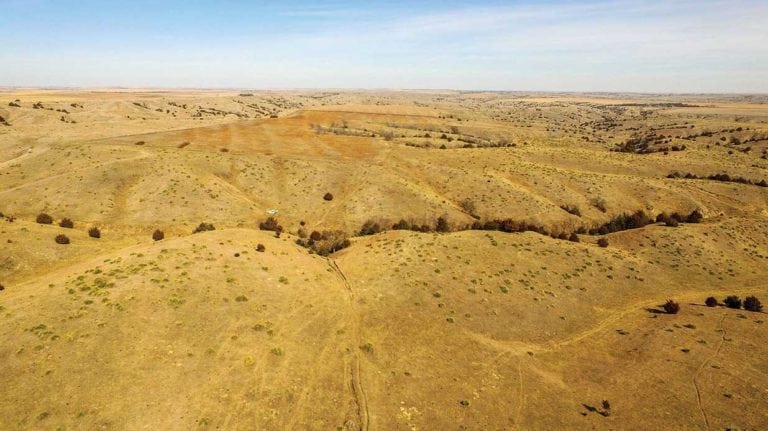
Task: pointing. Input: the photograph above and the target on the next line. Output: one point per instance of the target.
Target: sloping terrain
(462, 329)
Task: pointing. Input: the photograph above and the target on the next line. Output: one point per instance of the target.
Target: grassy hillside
(466, 328)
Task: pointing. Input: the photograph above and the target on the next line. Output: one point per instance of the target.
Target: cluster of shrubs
(674, 219)
(640, 219)
(326, 242)
(441, 224)
(642, 144)
(372, 227)
(67, 223)
(271, 224)
(621, 222)
(750, 303)
(718, 177)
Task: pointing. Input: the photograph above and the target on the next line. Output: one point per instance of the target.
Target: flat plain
(445, 260)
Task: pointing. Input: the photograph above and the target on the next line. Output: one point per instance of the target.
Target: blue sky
(621, 45)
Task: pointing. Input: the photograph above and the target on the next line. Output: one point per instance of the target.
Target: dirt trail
(362, 421)
(521, 347)
(701, 368)
(143, 155)
(521, 395)
(29, 152)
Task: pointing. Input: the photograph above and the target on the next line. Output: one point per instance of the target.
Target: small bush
(711, 302)
(272, 224)
(401, 225)
(602, 242)
(44, 218)
(469, 207)
(328, 197)
(751, 303)
(203, 227)
(571, 209)
(671, 307)
(668, 220)
(442, 225)
(2, 287)
(62, 239)
(599, 203)
(574, 237)
(67, 223)
(370, 228)
(260, 248)
(94, 232)
(732, 301)
(315, 236)
(694, 217)
(158, 235)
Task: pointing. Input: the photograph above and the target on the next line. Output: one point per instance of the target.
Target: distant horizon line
(370, 89)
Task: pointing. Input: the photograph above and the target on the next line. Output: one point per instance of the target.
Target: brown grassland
(458, 324)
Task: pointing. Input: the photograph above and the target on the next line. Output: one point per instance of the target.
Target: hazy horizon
(630, 46)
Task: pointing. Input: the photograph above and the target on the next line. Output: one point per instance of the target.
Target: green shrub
(158, 235)
(67, 223)
(62, 239)
(711, 302)
(94, 232)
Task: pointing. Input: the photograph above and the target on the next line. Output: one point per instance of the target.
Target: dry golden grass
(401, 330)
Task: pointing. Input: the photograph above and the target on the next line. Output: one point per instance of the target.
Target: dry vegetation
(382, 260)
